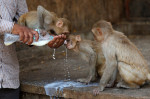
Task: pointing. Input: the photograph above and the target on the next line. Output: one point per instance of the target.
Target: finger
(21, 36)
(56, 43)
(61, 42)
(36, 35)
(30, 38)
(25, 37)
(53, 40)
(65, 37)
(60, 36)
(57, 40)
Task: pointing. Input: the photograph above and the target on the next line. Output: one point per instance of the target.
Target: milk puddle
(56, 88)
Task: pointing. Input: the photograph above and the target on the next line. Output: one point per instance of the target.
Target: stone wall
(82, 13)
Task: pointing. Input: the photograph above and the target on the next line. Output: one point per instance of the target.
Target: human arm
(26, 34)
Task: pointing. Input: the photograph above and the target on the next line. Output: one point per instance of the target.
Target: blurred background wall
(82, 13)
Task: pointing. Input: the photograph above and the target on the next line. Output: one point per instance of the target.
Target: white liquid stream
(66, 66)
(54, 54)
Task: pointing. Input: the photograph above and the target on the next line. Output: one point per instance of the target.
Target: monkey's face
(97, 34)
(62, 26)
(62, 30)
(72, 41)
(57, 26)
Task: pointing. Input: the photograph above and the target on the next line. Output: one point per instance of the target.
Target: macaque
(45, 20)
(90, 52)
(121, 55)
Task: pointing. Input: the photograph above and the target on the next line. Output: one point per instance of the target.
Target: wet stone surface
(34, 79)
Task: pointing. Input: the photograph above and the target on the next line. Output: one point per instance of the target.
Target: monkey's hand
(97, 91)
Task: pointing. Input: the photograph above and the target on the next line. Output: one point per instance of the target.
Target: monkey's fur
(43, 19)
(90, 52)
(121, 54)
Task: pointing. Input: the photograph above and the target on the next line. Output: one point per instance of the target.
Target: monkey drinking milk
(90, 52)
(45, 20)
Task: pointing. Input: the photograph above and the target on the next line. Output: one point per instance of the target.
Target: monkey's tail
(22, 20)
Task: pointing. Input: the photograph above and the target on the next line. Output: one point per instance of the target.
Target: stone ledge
(33, 89)
(86, 93)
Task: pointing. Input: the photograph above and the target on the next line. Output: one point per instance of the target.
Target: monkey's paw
(97, 91)
(83, 80)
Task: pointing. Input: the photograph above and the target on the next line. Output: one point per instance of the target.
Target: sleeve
(21, 8)
(5, 26)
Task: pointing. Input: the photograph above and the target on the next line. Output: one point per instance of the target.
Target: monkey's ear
(47, 20)
(99, 31)
(59, 23)
(78, 38)
(42, 13)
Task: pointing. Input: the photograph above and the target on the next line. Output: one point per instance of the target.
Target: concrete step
(37, 91)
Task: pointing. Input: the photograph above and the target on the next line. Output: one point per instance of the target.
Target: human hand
(57, 41)
(26, 34)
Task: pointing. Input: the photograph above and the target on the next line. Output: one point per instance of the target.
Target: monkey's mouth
(53, 32)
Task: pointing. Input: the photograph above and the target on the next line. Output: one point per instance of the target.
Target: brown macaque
(121, 55)
(45, 20)
(90, 52)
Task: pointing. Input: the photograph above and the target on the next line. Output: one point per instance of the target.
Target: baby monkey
(121, 54)
(90, 52)
(45, 20)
